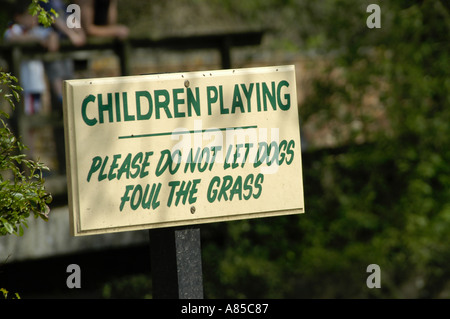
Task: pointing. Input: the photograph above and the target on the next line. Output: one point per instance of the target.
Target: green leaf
(55, 14)
(9, 228)
(33, 8)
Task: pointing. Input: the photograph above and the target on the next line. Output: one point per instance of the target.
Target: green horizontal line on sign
(187, 132)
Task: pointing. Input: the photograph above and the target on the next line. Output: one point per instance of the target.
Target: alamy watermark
(234, 145)
(73, 20)
(374, 279)
(74, 279)
(374, 19)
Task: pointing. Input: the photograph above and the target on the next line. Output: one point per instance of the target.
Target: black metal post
(225, 53)
(123, 51)
(176, 263)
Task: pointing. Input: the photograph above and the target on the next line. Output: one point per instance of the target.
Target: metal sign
(183, 148)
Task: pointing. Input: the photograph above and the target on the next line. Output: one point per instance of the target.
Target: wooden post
(176, 263)
(123, 51)
(225, 53)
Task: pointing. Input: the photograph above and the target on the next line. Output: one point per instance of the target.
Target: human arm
(76, 36)
(44, 37)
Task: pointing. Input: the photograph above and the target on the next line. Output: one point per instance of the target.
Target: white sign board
(183, 148)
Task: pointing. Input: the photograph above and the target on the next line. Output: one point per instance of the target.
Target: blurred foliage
(383, 201)
(34, 7)
(46, 18)
(134, 286)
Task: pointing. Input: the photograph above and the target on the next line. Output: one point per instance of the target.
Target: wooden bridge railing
(13, 54)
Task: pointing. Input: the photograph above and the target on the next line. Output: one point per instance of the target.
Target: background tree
(22, 189)
(382, 196)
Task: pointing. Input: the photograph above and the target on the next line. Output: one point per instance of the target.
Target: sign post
(174, 150)
(176, 263)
